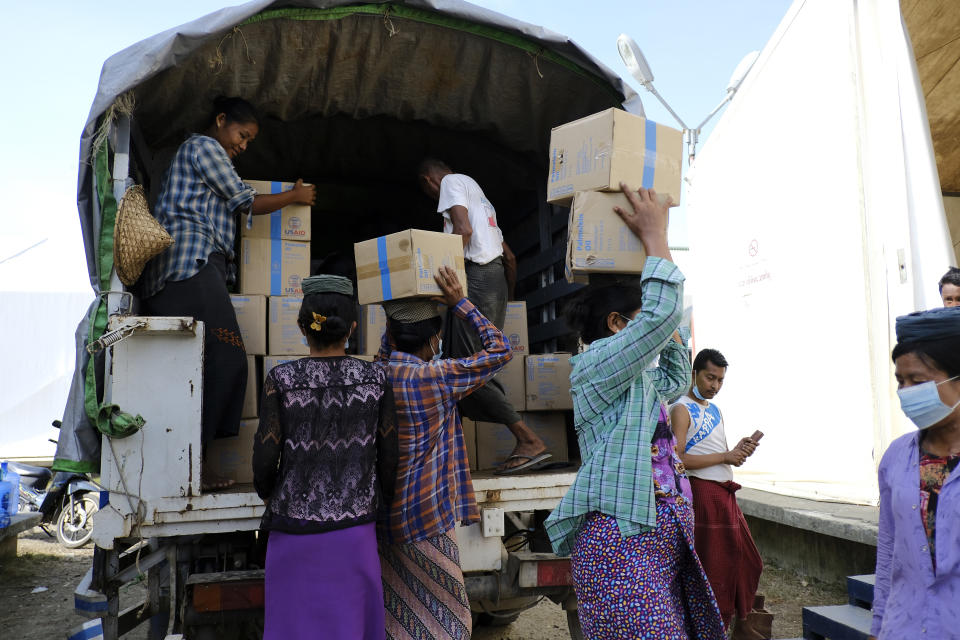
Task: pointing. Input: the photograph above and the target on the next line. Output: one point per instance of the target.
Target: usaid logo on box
(295, 227)
(293, 285)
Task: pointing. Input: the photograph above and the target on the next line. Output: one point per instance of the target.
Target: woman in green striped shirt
(627, 521)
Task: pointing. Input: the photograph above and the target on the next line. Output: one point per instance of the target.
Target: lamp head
(632, 56)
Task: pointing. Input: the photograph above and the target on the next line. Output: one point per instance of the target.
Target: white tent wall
(815, 220)
(39, 353)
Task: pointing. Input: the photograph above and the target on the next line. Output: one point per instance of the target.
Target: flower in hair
(318, 320)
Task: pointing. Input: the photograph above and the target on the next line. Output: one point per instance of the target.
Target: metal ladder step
(836, 622)
(860, 590)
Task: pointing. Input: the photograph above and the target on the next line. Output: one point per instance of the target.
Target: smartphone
(757, 435)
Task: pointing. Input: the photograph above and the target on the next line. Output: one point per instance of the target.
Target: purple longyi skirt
(324, 585)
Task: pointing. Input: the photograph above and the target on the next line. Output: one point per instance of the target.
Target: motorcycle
(65, 498)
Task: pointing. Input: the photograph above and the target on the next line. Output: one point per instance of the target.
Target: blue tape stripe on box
(276, 267)
(276, 216)
(384, 268)
(649, 154)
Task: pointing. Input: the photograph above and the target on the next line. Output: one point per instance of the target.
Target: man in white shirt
(721, 535)
(491, 277)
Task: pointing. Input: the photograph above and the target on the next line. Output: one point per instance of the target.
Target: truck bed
(239, 508)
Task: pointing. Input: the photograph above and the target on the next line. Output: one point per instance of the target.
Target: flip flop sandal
(530, 462)
(555, 466)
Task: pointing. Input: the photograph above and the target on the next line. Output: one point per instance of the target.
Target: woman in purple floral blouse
(918, 552)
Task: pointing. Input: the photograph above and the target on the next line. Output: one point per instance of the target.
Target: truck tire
(502, 618)
(573, 625)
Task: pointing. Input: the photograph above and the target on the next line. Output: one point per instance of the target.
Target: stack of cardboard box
(274, 258)
(538, 387)
(589, 158)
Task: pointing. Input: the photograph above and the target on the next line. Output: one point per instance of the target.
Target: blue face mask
(438, 354)
(922, 404)
(696, 392)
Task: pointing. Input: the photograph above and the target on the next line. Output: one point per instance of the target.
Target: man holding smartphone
(721, 536)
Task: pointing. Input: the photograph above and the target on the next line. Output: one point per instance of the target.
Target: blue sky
(52, 53)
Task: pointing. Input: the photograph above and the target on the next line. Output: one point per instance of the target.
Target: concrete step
(836, 622)
(860, 590)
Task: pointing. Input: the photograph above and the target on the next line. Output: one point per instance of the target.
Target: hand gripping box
(598, 152)
(273, 267)
(402, 265)
(289, 223)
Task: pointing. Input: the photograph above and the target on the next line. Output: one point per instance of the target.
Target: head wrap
(411, 309)
(327, 284)
(927, 326)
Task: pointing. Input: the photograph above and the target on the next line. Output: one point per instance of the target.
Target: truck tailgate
(539, 490)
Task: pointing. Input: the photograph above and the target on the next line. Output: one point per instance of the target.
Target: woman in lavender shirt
(917, 591)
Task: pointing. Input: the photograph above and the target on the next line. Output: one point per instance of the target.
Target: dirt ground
(48, 614)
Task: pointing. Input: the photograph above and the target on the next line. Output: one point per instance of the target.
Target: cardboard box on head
(599, 241)
(598, 152)
(402, 265)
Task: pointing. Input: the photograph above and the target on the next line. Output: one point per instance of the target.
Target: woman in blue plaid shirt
(199, 202)
(627, 520)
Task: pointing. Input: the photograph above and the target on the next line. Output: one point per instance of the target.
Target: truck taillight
(543, 570)
(228, 596)
(554, 573)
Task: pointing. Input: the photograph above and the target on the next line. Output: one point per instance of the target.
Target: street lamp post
(637, 64)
